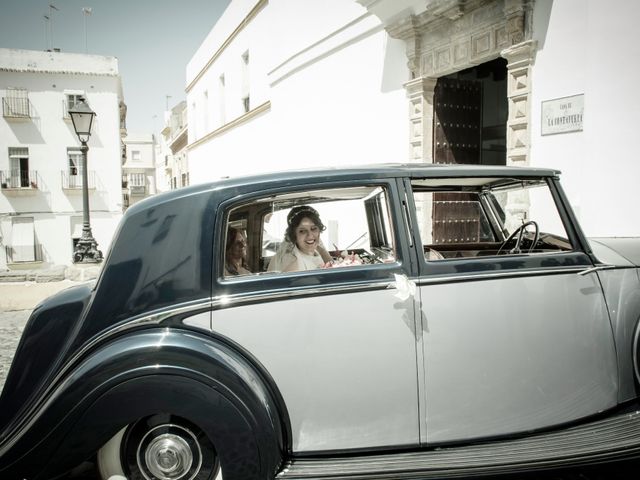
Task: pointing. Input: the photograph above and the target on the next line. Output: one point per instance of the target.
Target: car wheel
(160, 447)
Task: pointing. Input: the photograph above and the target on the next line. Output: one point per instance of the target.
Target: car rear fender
(42, 348)
(203, 379)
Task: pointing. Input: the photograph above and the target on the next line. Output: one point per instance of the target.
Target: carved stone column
(420, 94)
(520, 59)
(406, 29)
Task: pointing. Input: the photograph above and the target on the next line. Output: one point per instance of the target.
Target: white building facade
(175, 165)
(283, 84)
(40, 162)
(162, 156)
(138, 168)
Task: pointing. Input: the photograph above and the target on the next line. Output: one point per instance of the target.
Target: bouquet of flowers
(346, 259)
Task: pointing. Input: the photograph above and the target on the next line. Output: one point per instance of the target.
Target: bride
(302, 248)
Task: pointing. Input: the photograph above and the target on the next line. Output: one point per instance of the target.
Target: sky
(152, 39)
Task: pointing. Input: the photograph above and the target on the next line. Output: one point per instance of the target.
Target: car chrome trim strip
(429, 280)
(596, 269)
(235, 300)
(601, 440)
(53, 390)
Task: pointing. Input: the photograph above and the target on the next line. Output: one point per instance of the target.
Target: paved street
(11, 326)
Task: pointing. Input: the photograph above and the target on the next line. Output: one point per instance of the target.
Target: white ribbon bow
(406, 288)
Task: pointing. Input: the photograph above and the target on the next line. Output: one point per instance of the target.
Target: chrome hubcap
(168, 457)
(167, 452)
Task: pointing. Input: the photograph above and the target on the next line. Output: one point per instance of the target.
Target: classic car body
(465, 326)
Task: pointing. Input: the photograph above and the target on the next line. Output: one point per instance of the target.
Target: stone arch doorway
(451, 36)
(470, 115)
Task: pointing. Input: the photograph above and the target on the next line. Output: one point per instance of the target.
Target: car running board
(610, 439)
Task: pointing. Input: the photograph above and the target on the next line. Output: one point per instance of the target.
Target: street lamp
(86, 250)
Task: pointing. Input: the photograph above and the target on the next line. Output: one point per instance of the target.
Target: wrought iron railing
(72, 180)
(15, 107)
(23, 253)
(11, 179)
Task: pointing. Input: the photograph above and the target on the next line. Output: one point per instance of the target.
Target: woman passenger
(235, 257)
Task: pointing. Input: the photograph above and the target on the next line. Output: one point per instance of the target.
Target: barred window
(75, 160)
(137, 179)
(73, 99)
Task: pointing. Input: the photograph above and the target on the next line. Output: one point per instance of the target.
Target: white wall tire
(159, 448)
(109, 464)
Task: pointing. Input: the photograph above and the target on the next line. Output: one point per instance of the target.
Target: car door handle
(596, 268)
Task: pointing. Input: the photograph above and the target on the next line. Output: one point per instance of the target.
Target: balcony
(18, 182)
(23, 253)
(72, 182)
(16, 107)
(138, 190)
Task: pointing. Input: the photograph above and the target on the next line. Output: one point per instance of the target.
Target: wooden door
(456, 218)
(457, 128)
(457, 123)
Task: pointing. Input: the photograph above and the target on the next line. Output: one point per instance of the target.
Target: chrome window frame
(507, 266)
(265, 286)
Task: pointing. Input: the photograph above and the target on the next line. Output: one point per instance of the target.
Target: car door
(510, 342)
(339, 343)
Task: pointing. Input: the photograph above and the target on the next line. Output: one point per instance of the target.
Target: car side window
(460, 218)
(309, 230)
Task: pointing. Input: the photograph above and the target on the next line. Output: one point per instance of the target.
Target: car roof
(356, 172)
(426, 170)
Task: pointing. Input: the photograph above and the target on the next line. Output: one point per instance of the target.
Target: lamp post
(86, 250)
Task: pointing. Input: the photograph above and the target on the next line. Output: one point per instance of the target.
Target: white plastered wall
(334, 82)
(590, 47)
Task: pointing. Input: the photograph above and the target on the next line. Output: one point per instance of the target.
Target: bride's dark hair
(296, 215)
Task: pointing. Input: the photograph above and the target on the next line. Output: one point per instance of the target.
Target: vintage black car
(387, 322)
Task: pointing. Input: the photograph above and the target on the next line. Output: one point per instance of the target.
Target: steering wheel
(519, 232)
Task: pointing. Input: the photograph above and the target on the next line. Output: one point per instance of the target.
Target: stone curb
(26, 295)
(57, 273)
(13, 276)
(24, 289)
